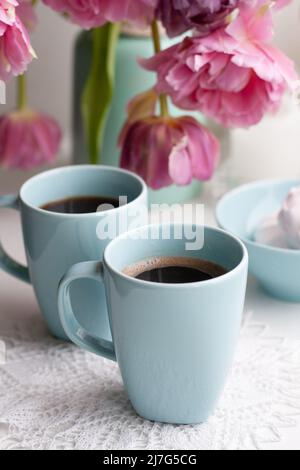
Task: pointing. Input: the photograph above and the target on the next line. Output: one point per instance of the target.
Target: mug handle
(6, 262)
(87, 270)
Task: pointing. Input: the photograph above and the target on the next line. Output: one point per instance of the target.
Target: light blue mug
(174, 343)
(55, 241)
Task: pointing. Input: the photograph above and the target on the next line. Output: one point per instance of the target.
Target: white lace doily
(54, 396)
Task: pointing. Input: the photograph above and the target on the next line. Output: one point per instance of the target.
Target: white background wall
(50, 77)
(288, 30)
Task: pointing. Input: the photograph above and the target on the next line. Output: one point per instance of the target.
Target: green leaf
(98, 92)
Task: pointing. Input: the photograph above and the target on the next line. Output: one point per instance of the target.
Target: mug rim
(251, 186)
(70, 168)
(138, 282)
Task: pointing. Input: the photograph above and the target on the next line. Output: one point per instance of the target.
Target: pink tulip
(164, 151)
(15, 49)
(28, 139)
(94, 13)
(232, 75)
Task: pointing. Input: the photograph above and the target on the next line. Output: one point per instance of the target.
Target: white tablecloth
(80, 413)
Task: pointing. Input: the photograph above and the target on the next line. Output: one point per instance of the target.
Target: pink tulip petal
(203, 149)
(180, 165)
(94, 13)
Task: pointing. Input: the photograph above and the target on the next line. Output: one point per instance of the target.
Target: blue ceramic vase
(131, 79)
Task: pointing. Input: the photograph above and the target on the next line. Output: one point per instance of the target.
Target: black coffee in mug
(82, 205)
(174, 270)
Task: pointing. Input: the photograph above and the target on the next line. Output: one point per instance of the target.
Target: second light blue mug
(174, 343)
(55, 241)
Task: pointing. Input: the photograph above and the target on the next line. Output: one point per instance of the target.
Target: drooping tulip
(232, 75)
(165, 150)
(28, 139)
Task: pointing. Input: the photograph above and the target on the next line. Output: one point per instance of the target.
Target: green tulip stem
(157, 48)
(22, 92)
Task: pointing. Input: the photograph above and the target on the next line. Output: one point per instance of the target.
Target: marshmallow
(289, 218)
(270, 233)
(282, 230)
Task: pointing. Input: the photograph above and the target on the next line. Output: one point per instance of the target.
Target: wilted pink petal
(180, 165)
(7, 11)
(28, 139)
(179, 16)
(203, 148)
(15, 50)
(94, 13)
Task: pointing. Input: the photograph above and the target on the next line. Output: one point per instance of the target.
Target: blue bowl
(240, 212)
